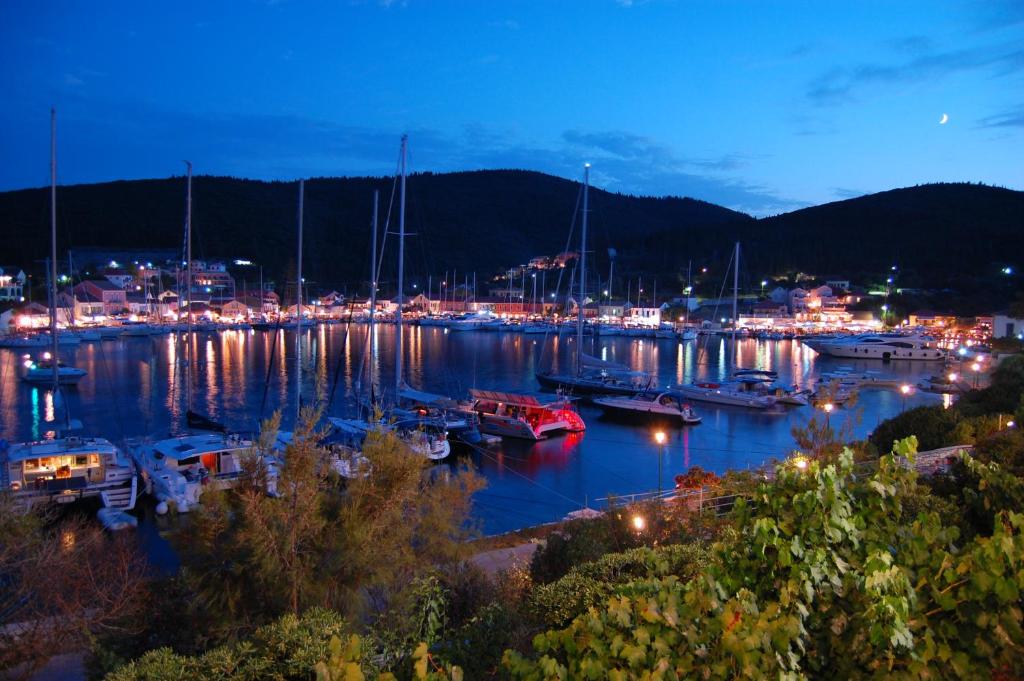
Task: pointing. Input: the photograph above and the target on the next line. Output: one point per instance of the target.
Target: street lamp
(764, 282)
(660, 438)
(976, 367)
(904, 390)
(827, 408)
(639, 523)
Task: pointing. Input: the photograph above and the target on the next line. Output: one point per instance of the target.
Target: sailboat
(66, 469)
(592, 376)
(177, 470)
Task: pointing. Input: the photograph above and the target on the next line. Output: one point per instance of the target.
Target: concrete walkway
(493, 562)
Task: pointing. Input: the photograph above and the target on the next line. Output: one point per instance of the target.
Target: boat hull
(584, 386)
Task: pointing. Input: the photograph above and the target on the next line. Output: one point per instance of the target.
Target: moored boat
(523, 416)
(651, 405)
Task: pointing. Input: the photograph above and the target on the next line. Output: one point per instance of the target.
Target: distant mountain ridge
(486, 221)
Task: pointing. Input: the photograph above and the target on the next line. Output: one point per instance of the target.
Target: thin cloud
(841, 84)
(1008, 119)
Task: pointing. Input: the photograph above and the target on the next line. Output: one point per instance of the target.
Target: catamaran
(523, 416)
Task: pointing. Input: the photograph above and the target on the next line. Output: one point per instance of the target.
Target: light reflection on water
(136, 386)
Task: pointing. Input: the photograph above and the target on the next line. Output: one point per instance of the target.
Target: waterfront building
(112, 299)
(12, 283)
(1006, 325)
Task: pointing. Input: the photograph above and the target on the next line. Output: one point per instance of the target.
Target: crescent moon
(944, 119)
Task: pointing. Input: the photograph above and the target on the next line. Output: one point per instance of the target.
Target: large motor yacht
(884, 346)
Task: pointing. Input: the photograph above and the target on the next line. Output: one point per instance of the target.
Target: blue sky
(760, 106)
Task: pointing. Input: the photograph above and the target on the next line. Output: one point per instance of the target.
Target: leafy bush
(579, 541)
(288, 648)
(587, 585)
(933, 427)
(827, 575)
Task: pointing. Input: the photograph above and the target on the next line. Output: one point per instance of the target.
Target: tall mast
(689, 289)
(583, 270)
(52, 269)
(735, 290)
(373, 291)
(401, 272)
(188, 287)
(298, 312)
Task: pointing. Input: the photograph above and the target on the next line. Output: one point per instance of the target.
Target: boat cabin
(218, 455)
(65, 469)
(514, 415)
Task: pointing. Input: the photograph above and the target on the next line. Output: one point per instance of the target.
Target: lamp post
(976, 367)
(660, 438)
(764, 282)
(827, 408)
(904, 391)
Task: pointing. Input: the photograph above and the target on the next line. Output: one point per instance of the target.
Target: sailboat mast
(373, 291)
(735, 290)
(401, 272)
(188, 287)
(53, 252)
(298, 311)
(689, 290)
(583, 270)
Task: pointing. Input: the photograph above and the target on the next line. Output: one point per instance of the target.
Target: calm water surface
(136, 386)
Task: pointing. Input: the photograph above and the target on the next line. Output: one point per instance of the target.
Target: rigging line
(725, 280)
(270, 364)
(340, 362)
(387, 217)
(486, 454)
(561, 270)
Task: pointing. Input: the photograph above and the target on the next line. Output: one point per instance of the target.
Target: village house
(931, 319)
(113, 299)
(644, 316)
(234, 310)
(612, 309)
(12, 283)
(1006, 326)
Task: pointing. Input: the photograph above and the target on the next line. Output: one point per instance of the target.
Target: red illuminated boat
(523, 416)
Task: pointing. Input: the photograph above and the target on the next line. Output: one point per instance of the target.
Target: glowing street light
(660, 438)
(976, 367)
(904, 390)
(800, 462)
(827, 408)
(639, 523)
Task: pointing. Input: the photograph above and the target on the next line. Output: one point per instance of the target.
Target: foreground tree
(250, 558)
(828, 575)
(62, 582)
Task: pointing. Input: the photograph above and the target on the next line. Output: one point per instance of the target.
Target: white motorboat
(475, 322)
(523, 416)
(539, 327)
(884, 346)
(69, 469)
(179, 469)
(41, 373)
(730, 394)
(666, 405)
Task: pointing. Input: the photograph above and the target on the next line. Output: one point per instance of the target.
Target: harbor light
(885, 308)
(1010, 424)
(952, 377)
(961, 351)
(800, 462)
(975, 367)
(1007, 270)
(828, 407)
(46, 355)
(639, 523)
(905, 389)
(659, 437)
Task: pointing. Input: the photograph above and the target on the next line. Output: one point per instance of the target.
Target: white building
(1005, 326)
(12, 283)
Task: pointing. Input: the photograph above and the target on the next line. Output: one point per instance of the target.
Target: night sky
(759, 106)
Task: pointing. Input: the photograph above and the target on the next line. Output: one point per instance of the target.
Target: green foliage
(826, 576)
(932, 426)
(587, 585)
(286, 649)
(1002, 396)
(577, 542)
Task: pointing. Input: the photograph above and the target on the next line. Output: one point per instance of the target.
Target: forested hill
(486, 221)
(471, 221)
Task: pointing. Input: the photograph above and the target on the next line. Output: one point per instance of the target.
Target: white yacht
(475, 322)
(650, 405)
(425, 437)
(41, 373)
(69, 469)
(731, 394)
(178, 469)
(884, 346)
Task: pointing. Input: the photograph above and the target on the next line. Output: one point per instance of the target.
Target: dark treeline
(487, 221)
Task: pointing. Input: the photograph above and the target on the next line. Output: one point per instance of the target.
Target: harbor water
(136, 386)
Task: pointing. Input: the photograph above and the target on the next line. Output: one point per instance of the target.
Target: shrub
(587, 585)
(933, 427)
(288, 648)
